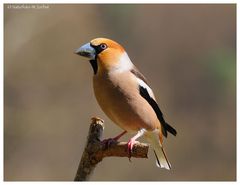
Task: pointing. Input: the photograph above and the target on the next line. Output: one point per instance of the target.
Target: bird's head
(105, 55)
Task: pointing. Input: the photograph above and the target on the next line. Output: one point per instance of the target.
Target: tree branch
(95, 151)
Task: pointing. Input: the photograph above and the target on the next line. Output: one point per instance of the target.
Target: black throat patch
(94, 66)
(93, 63)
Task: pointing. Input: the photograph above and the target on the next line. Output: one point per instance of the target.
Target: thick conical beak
(86, 51)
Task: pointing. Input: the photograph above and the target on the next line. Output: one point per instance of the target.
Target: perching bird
(124, 95)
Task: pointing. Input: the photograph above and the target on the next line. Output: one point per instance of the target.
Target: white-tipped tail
(161, 158)
(162, 161)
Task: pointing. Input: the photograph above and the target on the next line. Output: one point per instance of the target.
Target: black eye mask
(99, 48)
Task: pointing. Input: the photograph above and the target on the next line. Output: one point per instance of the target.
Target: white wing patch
(143, 84)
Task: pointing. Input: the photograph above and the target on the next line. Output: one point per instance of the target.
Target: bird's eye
(103, 46)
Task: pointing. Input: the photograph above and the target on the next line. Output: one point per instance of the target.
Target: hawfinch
(125, 96)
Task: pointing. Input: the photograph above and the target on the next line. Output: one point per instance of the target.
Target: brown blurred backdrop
(188, 54)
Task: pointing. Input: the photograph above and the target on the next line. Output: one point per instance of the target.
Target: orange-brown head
(105, 55)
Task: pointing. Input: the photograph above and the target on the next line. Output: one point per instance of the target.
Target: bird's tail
(161, 157)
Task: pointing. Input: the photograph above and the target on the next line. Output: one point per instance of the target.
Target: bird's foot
(130, 144)
(108, 142)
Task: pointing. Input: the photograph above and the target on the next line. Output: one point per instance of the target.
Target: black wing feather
(165, 126)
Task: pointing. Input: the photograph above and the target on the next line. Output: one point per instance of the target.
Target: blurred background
(187, 53)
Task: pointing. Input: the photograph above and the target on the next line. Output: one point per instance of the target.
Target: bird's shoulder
(138, 74)
(142, 81)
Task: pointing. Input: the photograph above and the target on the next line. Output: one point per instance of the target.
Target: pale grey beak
(86, 51)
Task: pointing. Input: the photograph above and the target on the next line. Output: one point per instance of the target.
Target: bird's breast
(118, 96)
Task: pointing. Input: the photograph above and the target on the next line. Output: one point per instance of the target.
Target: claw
(108, 142)
(130, 147)
(132, 141)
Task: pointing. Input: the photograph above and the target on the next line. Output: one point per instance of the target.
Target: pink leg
(108, 141)
(132, 141)
(120, 135)
(130, 144)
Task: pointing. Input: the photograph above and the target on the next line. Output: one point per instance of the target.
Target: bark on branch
(95, 151)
